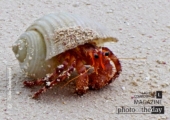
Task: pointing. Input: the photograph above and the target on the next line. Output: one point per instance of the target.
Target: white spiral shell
(37, 48)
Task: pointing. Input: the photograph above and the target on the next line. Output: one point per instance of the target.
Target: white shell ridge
(62, 32)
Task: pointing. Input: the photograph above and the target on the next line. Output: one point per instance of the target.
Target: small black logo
(158, 94)
(157, 110)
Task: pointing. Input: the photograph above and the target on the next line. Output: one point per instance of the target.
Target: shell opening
(102, 41)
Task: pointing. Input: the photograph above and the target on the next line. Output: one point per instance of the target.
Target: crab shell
(37, 48)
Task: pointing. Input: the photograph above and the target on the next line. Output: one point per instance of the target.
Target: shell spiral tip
(15, 48)
(20, 50)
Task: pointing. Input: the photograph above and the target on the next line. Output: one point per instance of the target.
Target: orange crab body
(99, 58)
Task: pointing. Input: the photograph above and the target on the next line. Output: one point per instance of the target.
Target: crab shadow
(61, 94)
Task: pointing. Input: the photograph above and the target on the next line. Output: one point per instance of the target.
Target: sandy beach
(143, 30)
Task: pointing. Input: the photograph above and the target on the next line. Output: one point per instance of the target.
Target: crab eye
(96, 56)
(106, 53)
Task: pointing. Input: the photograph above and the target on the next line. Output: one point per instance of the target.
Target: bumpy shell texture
(37, 48)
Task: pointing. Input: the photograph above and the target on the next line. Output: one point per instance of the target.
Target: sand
(143, 30)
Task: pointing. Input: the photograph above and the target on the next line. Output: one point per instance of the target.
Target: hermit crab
(58, 44)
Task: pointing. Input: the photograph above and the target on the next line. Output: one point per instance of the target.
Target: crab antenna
(144, 58)
(75, 78)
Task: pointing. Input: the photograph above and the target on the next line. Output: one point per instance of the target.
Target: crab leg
(58, 75)
(83, 80)
(50, 84)
(49, 77)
